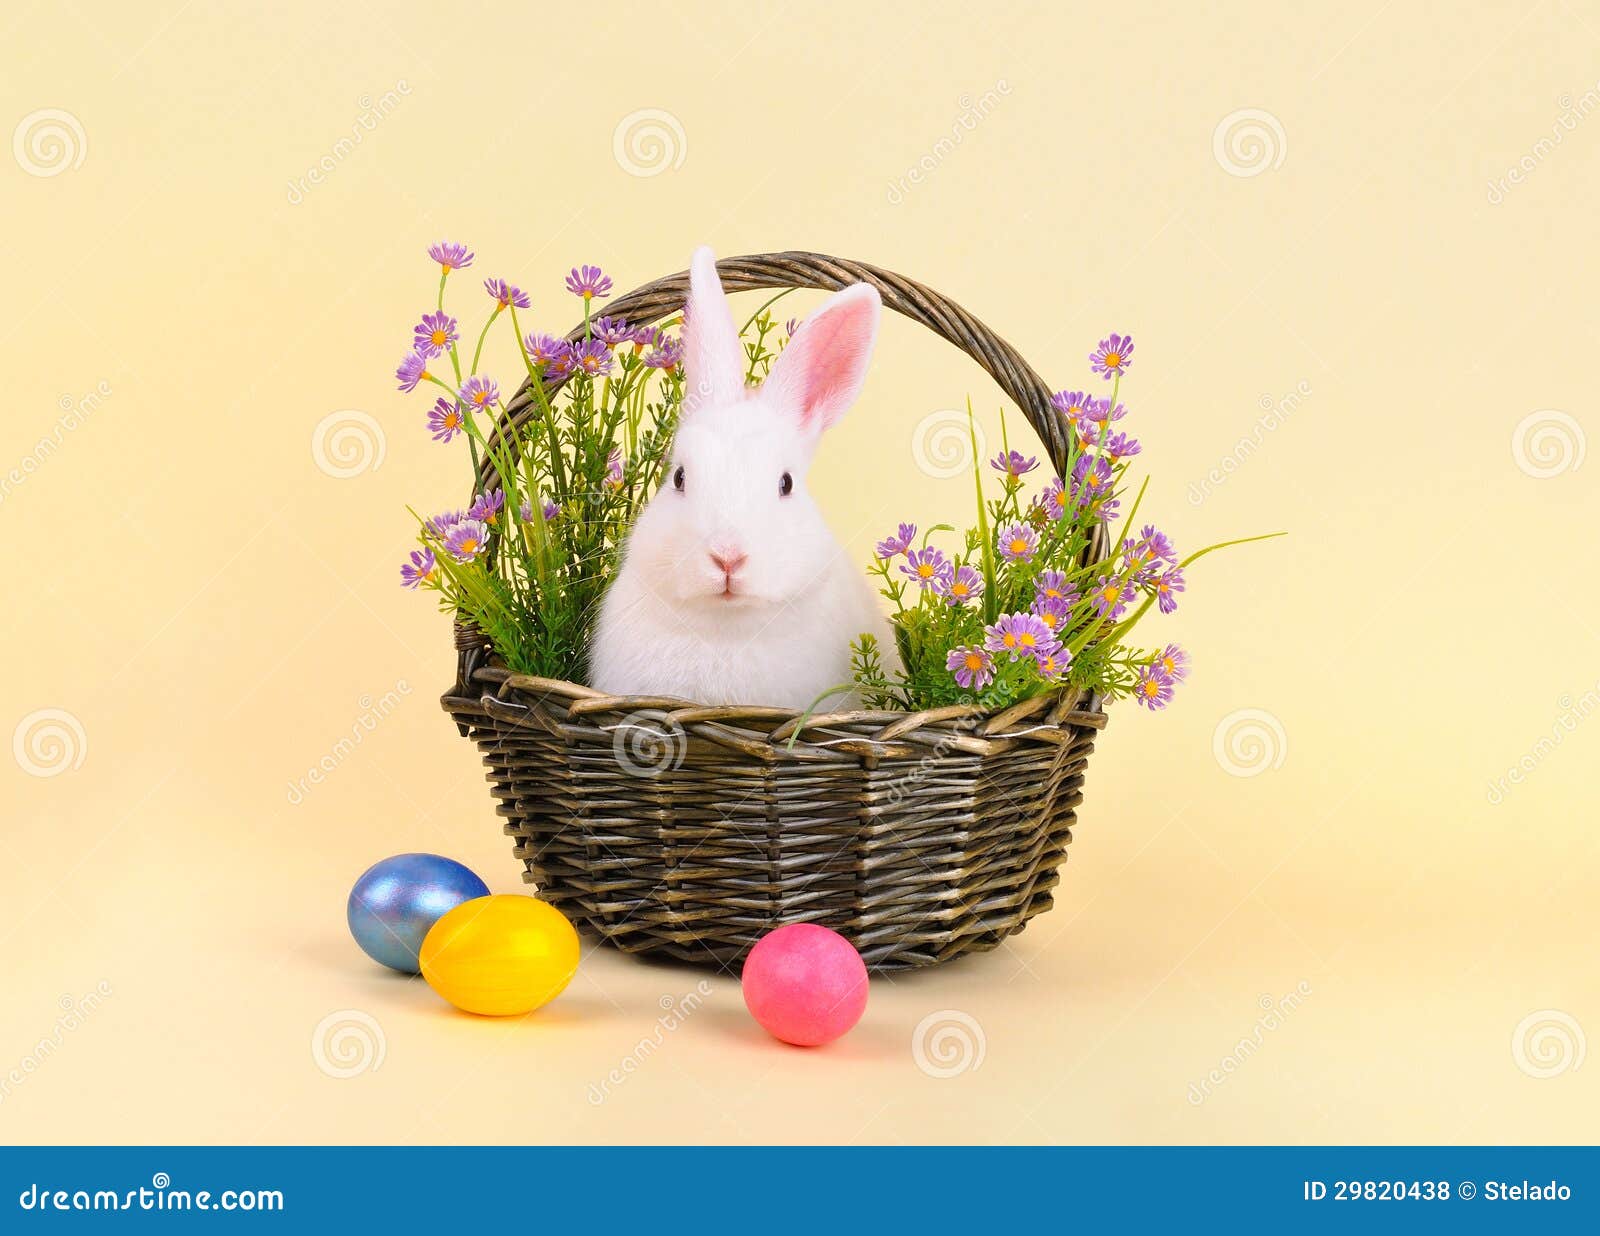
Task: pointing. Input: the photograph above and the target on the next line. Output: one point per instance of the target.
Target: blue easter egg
(395, 902)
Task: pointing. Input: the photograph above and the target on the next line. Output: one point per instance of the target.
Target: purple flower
(550, 511)
(1020, 635)
(614, 469)
(1013, 463)
(450, 256)
(412, 370)
(506, 294)
(466, 540)
(479, 393)
(560, 366)
(964, 586)
(1017, 543)
(1152, 688)
(1052, 611)
(443, 522)
(1173, 662)
(543, 349)
(1074, 405)
(592, 358)
(1100, 410)
(445, 419)
(1053, 665)
(1091, 479)
(436, 333)
(973, 666)
(892, 546)
(588, 282)
(1053, 501)
(1167, 588)
(1159, 542)
(1053, 586)
(1112, 356)
(420, 569)
(611, 330)
(929, 567)
(1121, 446)
(646, 336)
(667, 353)
(1111, 596)
(486, 509)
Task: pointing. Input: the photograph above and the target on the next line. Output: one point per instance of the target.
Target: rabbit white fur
(731, 590)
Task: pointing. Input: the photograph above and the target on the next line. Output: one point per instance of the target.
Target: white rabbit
(732, 589)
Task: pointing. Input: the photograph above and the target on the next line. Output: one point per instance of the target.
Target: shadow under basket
(679, 830)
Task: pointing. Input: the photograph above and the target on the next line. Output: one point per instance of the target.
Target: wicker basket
(673, 829)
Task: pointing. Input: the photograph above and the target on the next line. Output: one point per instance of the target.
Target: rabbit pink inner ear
(820, 374)
(713, 360)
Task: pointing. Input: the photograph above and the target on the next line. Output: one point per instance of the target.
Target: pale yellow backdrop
(1307, 218)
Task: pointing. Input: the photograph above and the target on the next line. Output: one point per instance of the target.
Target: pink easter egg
(805, 984)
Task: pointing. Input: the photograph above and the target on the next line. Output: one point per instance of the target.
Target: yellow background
(216, 612)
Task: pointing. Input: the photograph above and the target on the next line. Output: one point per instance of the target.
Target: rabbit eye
(677, 479)
(786, 486)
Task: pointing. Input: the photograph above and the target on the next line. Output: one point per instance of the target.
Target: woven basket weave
(669, 828)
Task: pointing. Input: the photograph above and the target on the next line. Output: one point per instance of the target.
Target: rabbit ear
(713, 360)
(821, 372)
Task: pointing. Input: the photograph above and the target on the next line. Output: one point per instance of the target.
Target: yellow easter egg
(500, 955)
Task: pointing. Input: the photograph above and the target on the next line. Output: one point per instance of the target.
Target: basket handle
(796, 269)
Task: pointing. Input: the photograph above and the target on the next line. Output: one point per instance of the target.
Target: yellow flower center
(958, 589)
(438, 338)
(1151, 688)
(469, 545)
(974, 661)
(1049, 620)
(1111, 594)
(452, 419)
(1113, 359)
(1026, 639)
(924, 570)
(1019, 546)
(1010, 640)
(1051, 592)
(588, 294)
(1169, 665)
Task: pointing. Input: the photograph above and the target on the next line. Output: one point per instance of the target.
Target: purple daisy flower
(1159, 542)
(1052, 611)
(1014, 463)
(560, 367)
(466, 540)
(1092, 478)
(1103, 510)
(646, 336)
(929, 567)
(973, 666)
(1053, 501)
(506, 294)
(1121, 446)
(412, 370)
(1168, 586)
(614, 468)
(443, 522)
(965, 586)
(1100, 411)
(1053, 586)
(611, 330)
(1053, 665)
(420, 569)
(588, 282)
(550, 511)
(592, 358)
(544, 349)
(1173, 662)
(892, 546)
(479, 393)
(1152, 688)
(667, 354)
(1111, 596)
(450, 256)
(435, 334)
(487, 507)
(446, 420)
(1113, 355)
(1020, 635)
(1074, 405)
(1018, 543)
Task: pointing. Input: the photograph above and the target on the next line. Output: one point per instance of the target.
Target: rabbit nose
(728, 560)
